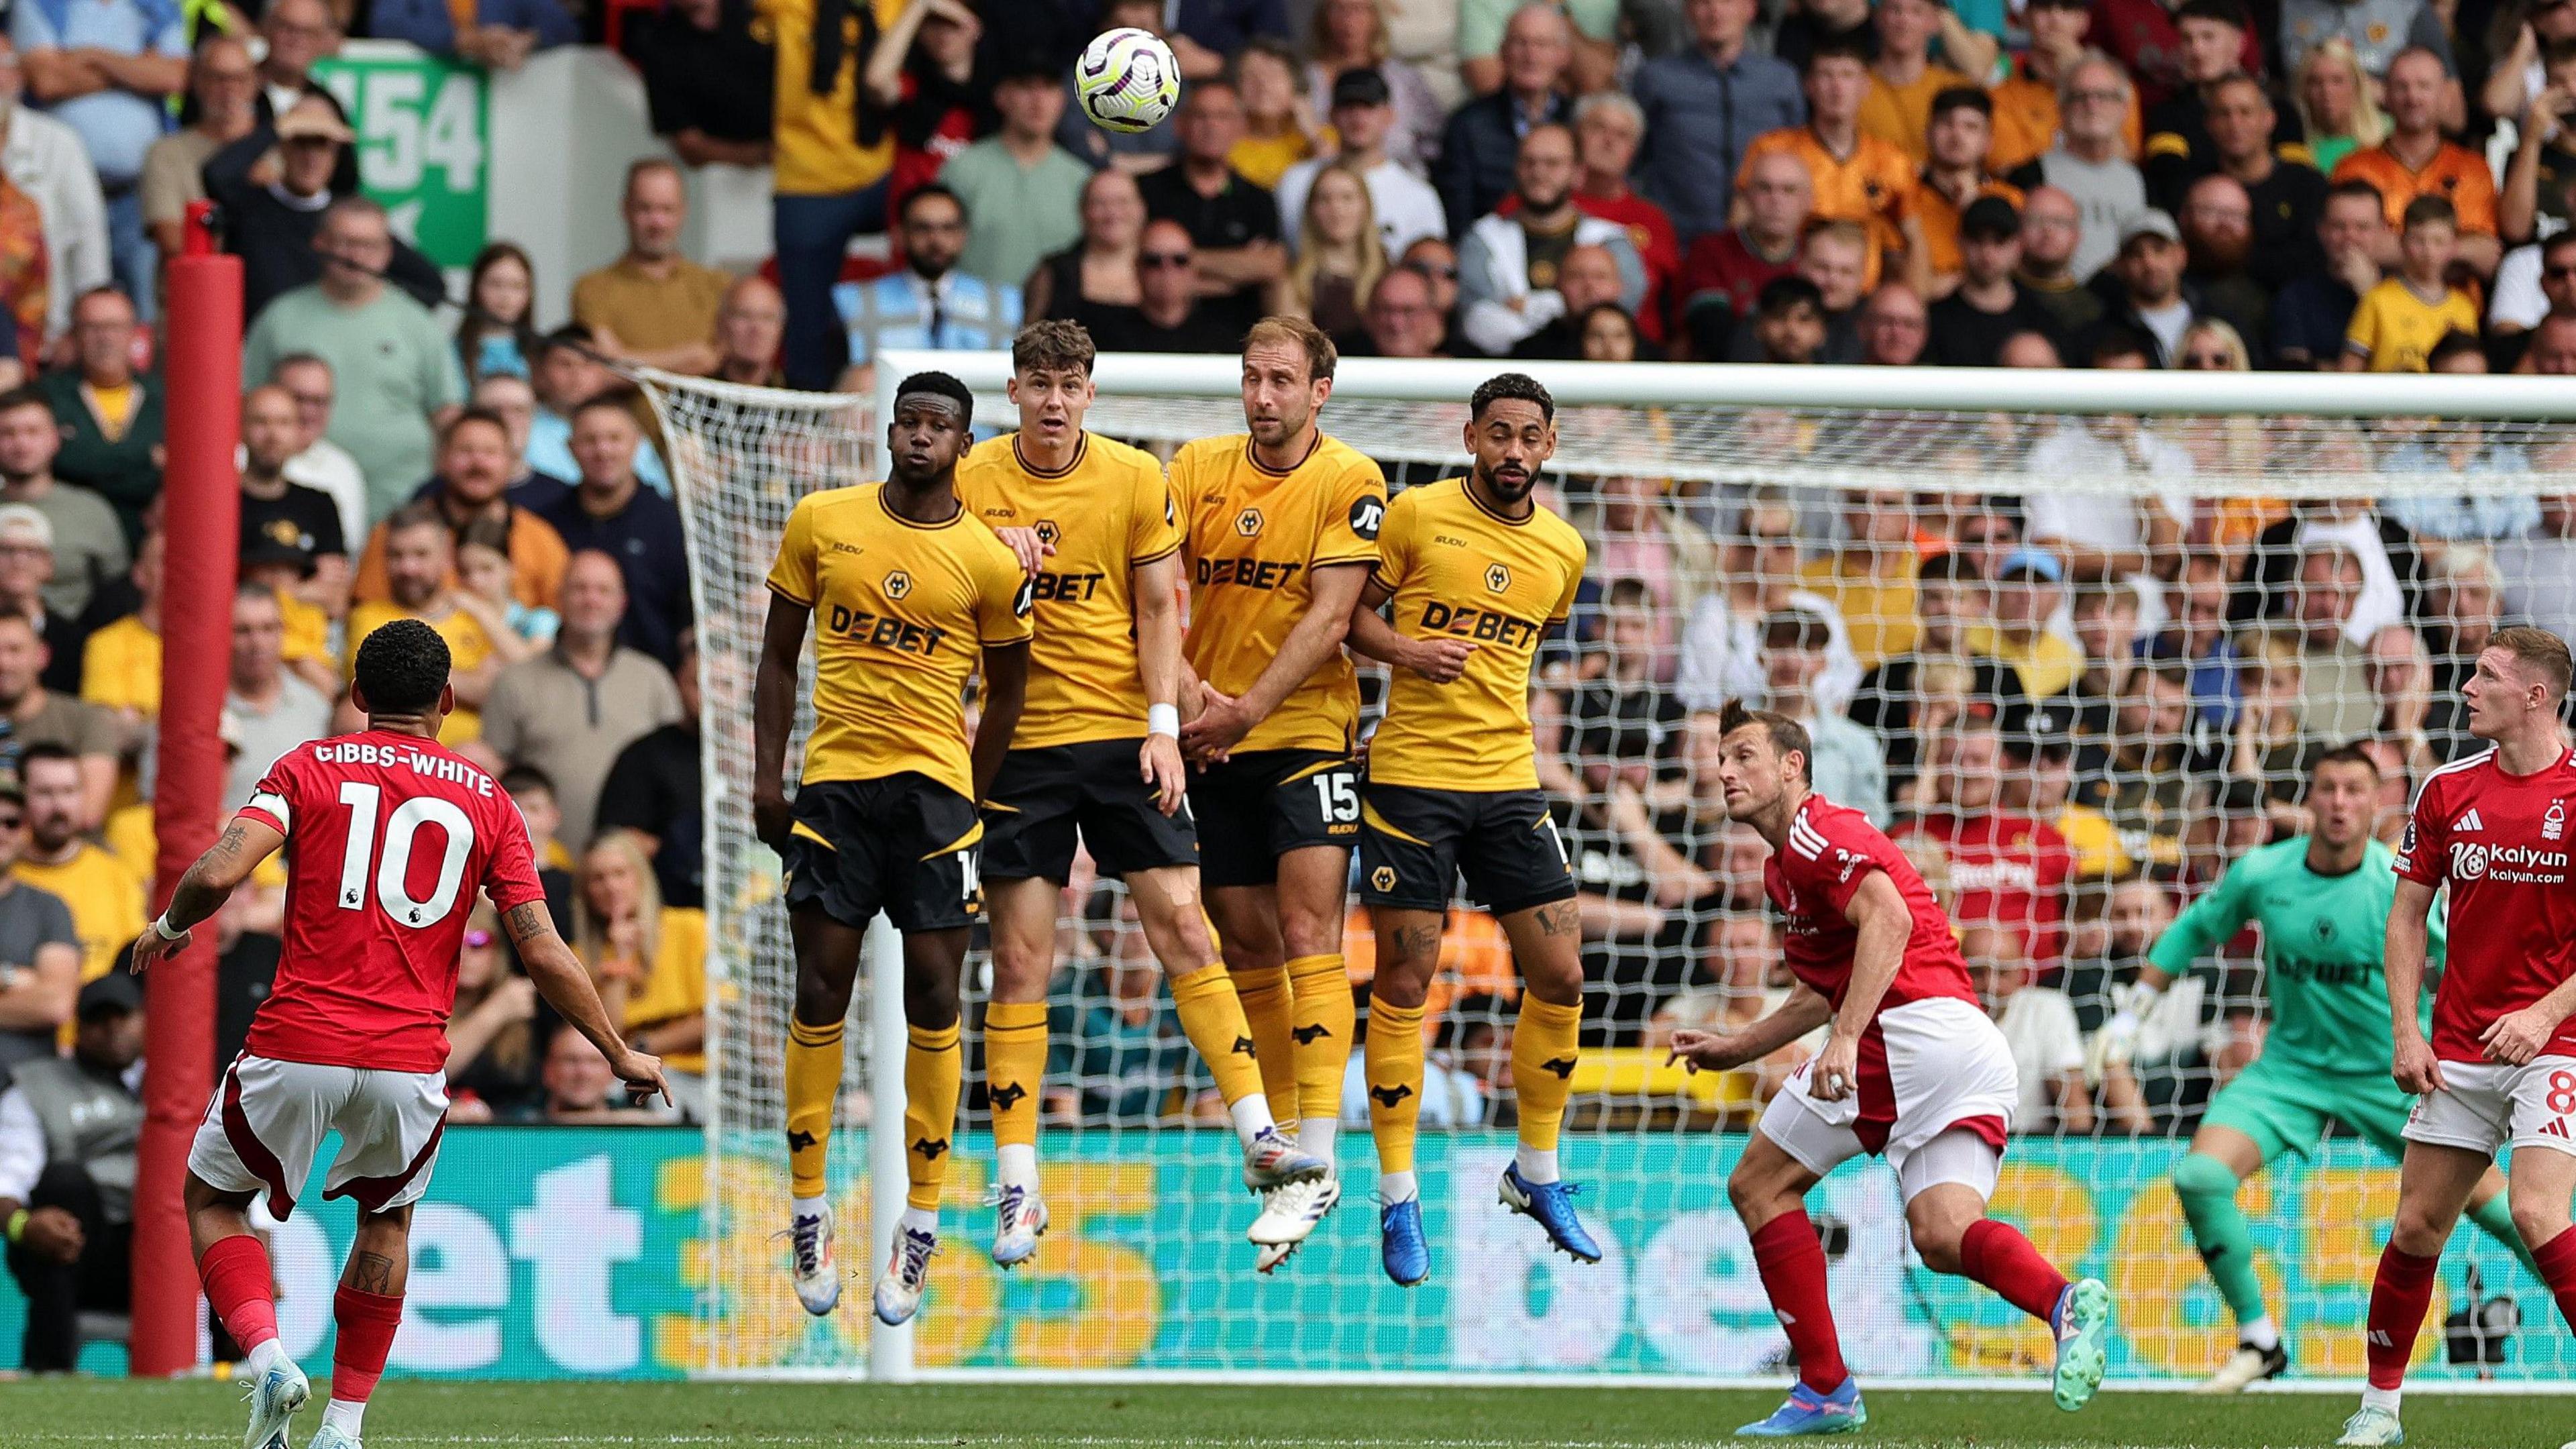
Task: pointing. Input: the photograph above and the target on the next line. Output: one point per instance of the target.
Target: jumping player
(2322, 900)
(1279, 525)
(2501, 1064)
(1913, 1069)
(392, 835)
(910, 592)
(1098, 750)
(1479, 574)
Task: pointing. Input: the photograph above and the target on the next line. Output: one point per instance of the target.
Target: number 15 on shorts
(1337, 797)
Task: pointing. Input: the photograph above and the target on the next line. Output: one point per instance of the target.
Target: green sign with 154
(423, 142)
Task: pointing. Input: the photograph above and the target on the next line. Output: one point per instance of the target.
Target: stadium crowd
(2075, 709)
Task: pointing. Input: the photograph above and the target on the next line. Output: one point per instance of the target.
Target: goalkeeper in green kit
(2322, 900)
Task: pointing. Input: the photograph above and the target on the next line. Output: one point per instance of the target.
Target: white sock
(1398, 1186)
(920, 1220)
(1537, 1164)
(1015, 1164)
(267, 1356)
(1251, 1114)
(809, 1207)
(2261, 1332)
(1315, 1134)
(344, 1415)
(2379, 1398)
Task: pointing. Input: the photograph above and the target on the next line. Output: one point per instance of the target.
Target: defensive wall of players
(567, 1252)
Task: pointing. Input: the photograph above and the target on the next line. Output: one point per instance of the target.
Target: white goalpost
(2355, 531)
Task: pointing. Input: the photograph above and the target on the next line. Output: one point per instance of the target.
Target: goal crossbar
(1837, 388)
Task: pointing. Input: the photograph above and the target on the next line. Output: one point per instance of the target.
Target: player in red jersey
(2501, 1066)
(1913, 1070)
(389, 837)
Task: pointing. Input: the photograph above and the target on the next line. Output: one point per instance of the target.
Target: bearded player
(2322, 900)
(2501, 1064)
(392, 836)
(911, 595)
(1478, 575)
(1280, 527)
(1913, 1069)
(1098, 753)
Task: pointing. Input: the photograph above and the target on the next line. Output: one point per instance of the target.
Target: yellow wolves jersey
(1254, 539)
(1106, 513)
(902, 612)
(1457, 569)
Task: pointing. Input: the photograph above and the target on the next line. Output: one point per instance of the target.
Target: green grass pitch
(43, 1414)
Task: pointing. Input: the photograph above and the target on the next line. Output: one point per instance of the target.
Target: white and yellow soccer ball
(1127, 79)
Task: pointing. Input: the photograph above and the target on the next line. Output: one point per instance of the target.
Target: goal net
(2077, 639)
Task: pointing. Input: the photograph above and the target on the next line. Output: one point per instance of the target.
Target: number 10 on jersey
(393, 869)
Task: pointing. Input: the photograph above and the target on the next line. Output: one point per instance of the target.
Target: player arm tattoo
(560, 976)
(216, 874)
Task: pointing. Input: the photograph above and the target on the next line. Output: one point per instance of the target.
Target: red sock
(241, 1289)
(1997, 1255)
(2556, 1260)
(2398, 1297)
(1792, 1263)
(367, 1322)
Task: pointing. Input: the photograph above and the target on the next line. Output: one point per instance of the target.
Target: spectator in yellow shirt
(121, 663)
(2399, 321)
(833, 146)
(1905, 78)
(1280, 129)
(2028, 588)
(649, 961)
(105, 896)
(282, 568)
(419, 556)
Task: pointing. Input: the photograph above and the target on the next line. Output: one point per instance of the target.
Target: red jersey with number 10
(388, 836)
(1831, 850)
(2503, 843)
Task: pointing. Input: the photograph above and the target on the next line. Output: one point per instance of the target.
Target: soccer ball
(1127, 79)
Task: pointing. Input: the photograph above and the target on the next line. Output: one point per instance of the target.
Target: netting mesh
(2078, 664)
(740, 459)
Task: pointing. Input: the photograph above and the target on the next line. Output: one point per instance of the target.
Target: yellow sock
(813, 1082)
(1323, 1018)
(1015, 1054)
(1265, 1000)
(1213, 1019)
(931, 1076)
(1394, 1064)
(1543, 1058)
